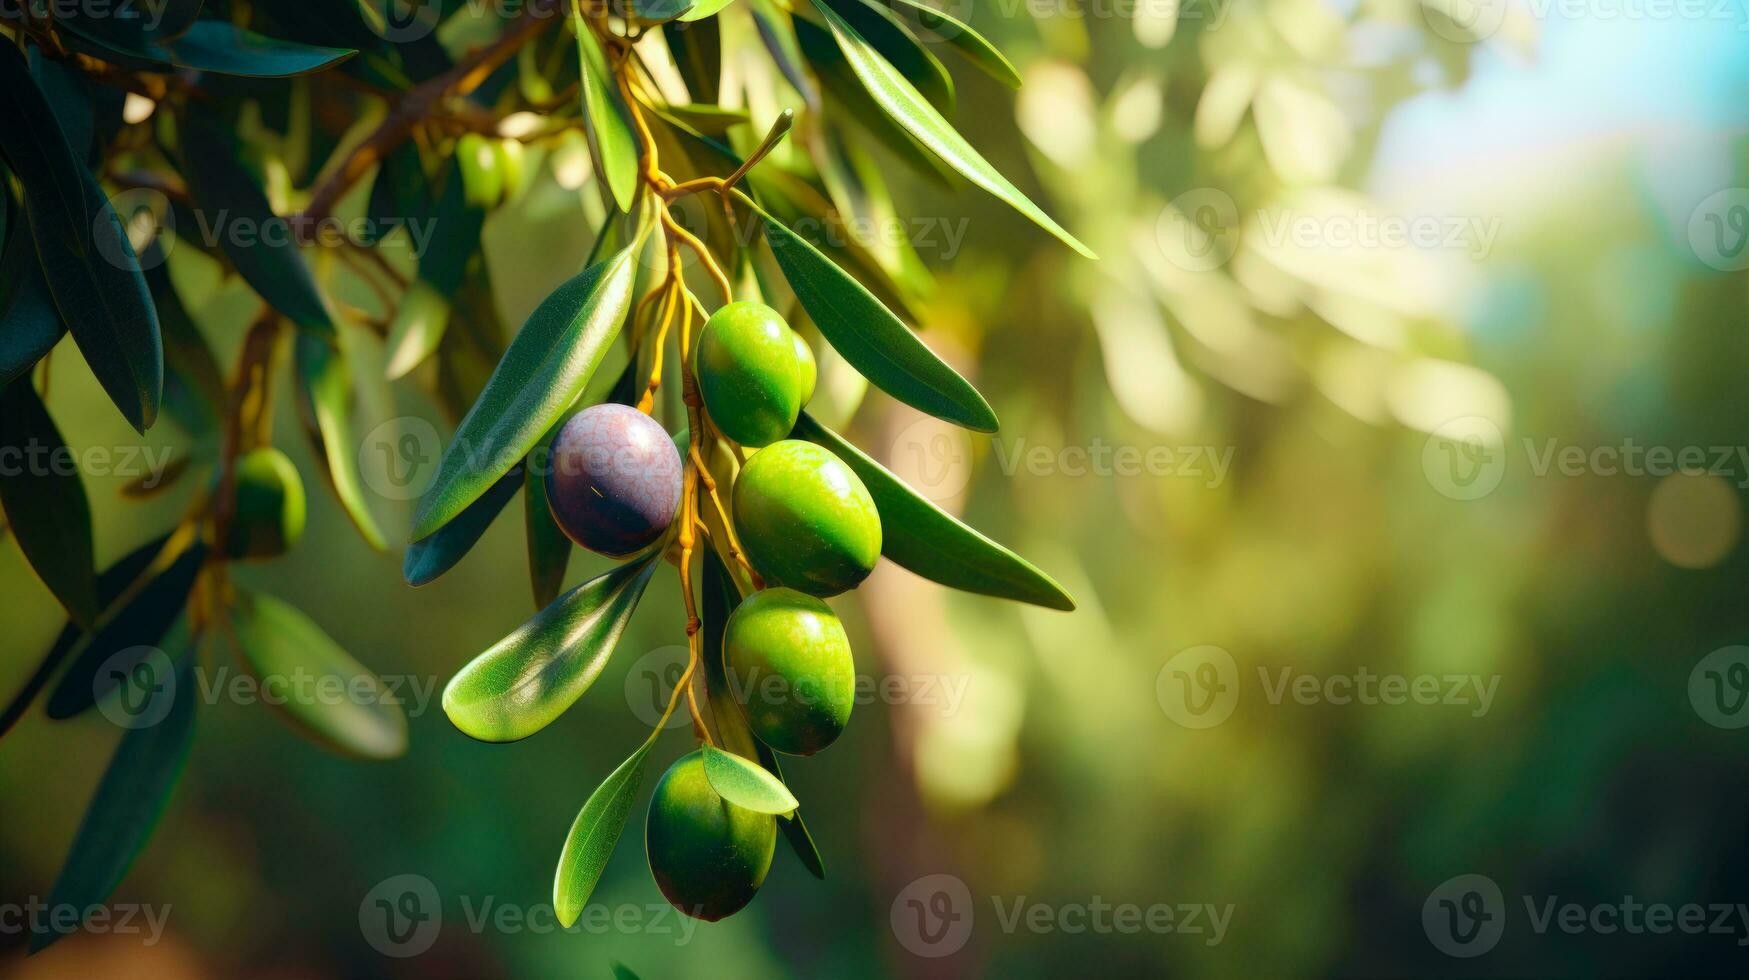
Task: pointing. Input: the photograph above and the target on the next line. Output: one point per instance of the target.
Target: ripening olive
(613, 479)
(708, 855)
(792, 671)
(482, 178)
(806, 366)
(269, 518)
(805, 520)
(747, 373)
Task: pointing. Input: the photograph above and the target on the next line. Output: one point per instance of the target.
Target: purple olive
(613, 479)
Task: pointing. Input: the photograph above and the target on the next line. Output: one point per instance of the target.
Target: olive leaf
(549, 550)
(901, 100)
(746, 784)
(854, 103)
(777, 30)
(697, 49)
(703, 9)
(424, 312)
(229, 200)
(927, 540)
(128, 803)
(870, 336)
(623, 972)
(110, 584)
(887, 35)
(530, 677)
(326, 399)
(223, 48)
(610, 134)
(795, 830)
(84, 251)
(44, 500)
(194, 387)
(429, 558)
(130, 628)
(593, 835)
(974, 46)
(280, 643)
(546, 366)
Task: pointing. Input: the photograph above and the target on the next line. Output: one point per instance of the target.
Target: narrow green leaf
(44, 500)
(129, 802)
(975, 46)
(777, 31)
(542, 372)
(225, 49)
(86, 258)
(795, 830)
(709, 120)
(697, 47)
(593, 835)
(870, 336)
(430, 557)
(110, 583)
(746, 784)
(623, 972)
(327, 399)
(610, 133)
(194, 388)
(854, 103)
(703, 9)
(417, 329)
(889, 36)
(530, 677)
(549, 550)
(912, 111)
(33, 325)
(231, 206)
(286, 650)
(927, 540)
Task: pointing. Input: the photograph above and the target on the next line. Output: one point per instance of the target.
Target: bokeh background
(1327, 455)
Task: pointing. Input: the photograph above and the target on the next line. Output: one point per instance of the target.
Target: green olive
(708, 855)
(512, 157)
(482, 178)
(805, 520)
(747, 373)
(805, 363)
(269, 518)
(790, 663)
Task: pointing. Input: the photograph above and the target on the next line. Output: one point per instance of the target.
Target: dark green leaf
(194, 388)
(226, 49)
(697, 48)
(85, 254)
(709, 120)
(430, 557)
(231, 206)
(132, 625)
(889, 36)
(975, 46)
(110, 584)
(593, 834)
(27, 309)
(927, 540)
(746, 784)
(44, 500)
(623, 972)
(854, 103)
(129, 801)
(327, 400)
(396, 194)
(901, 100)
(69, 97)
(549, 550)
(870, 337)
(282, 645)
(794, 829)
(544, 370)
(530, 677)
(610, 132)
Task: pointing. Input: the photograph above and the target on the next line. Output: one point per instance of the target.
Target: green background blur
(1382, 412)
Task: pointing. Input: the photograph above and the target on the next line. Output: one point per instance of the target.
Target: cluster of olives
(808, 527)
(493, 170)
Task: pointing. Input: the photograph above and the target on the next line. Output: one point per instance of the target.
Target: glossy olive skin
(747, 373)
(269, 518)
(482, 177)
(806, 521)
(808, 367)
(708, 855)
(793, 675)
(613, 479)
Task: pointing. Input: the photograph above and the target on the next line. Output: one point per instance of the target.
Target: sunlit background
(1411, 356)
